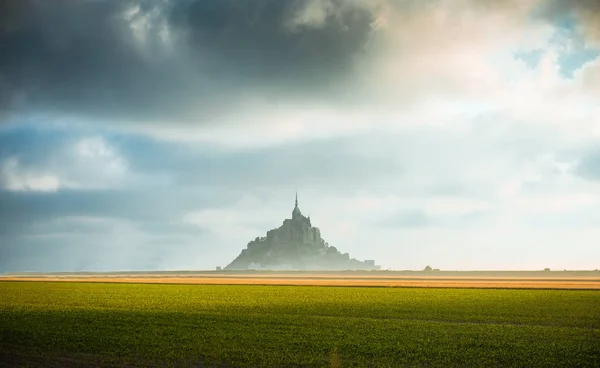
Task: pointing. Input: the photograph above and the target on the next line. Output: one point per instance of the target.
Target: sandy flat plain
(556, 280)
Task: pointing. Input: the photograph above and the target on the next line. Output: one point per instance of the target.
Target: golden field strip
(328, 279)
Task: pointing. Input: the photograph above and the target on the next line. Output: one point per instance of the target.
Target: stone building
(296, 245)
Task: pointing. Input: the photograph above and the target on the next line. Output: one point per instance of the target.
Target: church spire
(296, 212)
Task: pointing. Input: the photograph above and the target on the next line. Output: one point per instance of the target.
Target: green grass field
(75, 324)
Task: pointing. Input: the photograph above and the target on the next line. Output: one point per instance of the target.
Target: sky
(165, 135)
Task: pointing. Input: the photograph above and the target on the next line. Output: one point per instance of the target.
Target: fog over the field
(166, 134)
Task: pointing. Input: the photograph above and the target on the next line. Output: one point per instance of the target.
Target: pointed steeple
(296, 212)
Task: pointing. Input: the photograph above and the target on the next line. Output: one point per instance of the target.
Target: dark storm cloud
(255, 39)
(558, 8)
(153, 60)
(63, 54)
(586, 12)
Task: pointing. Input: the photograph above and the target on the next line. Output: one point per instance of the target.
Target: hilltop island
(295, 245)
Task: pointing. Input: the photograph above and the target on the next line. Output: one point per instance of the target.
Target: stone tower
(296, 214)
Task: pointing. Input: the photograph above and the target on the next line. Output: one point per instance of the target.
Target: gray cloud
(118, 248)
(123, 161)
(589, 166)
(408, 219)
(417, 219)
(586, 11)
(131, 204)
(326, 163)
(197, 60)
(102, 230)
(170, 60)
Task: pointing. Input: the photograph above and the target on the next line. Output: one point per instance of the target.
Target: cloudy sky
(166, 134)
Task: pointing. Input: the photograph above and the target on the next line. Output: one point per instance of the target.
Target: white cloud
(16, 178)
(455, 206)
(559, 203)
(88, 163)
(149, 29)
(312, 15)
(95, 164)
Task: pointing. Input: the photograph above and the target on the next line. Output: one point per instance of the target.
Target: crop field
(587, 280)
(65, 324)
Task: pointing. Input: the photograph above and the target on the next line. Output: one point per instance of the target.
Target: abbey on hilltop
(295, 245)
